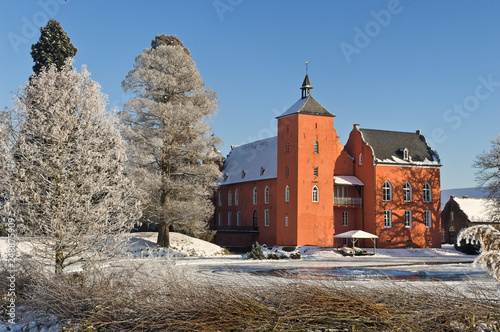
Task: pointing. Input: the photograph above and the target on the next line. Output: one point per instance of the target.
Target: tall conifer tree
(173, 149)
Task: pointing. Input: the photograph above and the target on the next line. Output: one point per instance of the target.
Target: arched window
(387, 191)
(236, 197)
(315, 194)
(405, 154)
(229, 198)
(266, 195)
(427, 192)
(316, 147)
(255, 195)
(287, 194)
(407, 196)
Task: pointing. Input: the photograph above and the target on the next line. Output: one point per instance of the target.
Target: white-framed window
(345, 219)
(236, 197)
(407, 195)
(254, 195)
(316, 147)
(387, 219)
(315, 171)
(387, 191)
(406, 155)
(360, 159)
(408, 218)
(220, 198)
(427, 192)
(286, 221)
(229, 198)
(219, 219)
(238, 218)
(266, 195)
(315, 194)
(266, 217)
(287, 194)
(340, 191)
(428, 219)
(229, 218)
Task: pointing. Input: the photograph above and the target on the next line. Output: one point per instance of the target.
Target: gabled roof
(478, 209)
(251, 162)
(356, 234)
(388, 147)
(307, 105)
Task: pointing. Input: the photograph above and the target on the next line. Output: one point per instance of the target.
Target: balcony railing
(348, 201)
(234, 229)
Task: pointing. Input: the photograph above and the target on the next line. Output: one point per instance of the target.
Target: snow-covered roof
(389, 147)
(356, 234)
(251, 162)
(347, 180)
(307, 105)
(478, 209)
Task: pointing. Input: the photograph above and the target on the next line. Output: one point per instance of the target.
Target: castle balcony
(235, 229)
(348, 201)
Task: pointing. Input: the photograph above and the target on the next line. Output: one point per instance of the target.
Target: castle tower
(308, 146)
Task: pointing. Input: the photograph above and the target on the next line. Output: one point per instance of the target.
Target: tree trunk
(163, 236)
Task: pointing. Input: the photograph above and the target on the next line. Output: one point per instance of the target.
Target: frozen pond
(443, 272)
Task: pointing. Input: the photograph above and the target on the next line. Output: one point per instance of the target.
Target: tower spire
(306, 85)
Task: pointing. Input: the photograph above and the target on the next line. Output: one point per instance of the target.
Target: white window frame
(266, 195)
(427, 192)
(229, 198)
(345, 218)
(286, 221)
(255, 196)
(428, 218)
(266, 217)
(406, 155)
(236, 197)
(407, 192)
(287, 194)
(408, 218)
(387, 191)
(387, 219)
(315, 194)
(229, 218)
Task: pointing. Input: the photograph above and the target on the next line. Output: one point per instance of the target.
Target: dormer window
(243, 174)
(405, 154)
(262, 170)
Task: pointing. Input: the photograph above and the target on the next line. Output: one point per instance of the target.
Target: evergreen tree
(53, 47)
(69, 189)
(168, 130)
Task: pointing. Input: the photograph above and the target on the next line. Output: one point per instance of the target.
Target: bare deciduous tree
(69, 189)
(169, 133)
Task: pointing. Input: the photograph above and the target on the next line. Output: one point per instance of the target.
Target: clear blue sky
(394, 65)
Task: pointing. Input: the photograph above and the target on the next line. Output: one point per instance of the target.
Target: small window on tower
(316, 147)
(287, 147)
(360, 160)
(315, 171)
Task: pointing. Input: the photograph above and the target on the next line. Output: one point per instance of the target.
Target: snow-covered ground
(209, 262)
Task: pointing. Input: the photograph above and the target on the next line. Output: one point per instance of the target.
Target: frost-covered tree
(53, 48)
(488, 175)
(69, 188)
(5, 162)
(169, 133)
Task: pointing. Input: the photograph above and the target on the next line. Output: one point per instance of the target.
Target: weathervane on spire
(307, 66)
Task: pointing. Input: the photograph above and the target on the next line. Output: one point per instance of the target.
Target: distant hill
(473, 192)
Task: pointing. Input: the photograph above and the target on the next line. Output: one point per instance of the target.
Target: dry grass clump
(138, 299)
